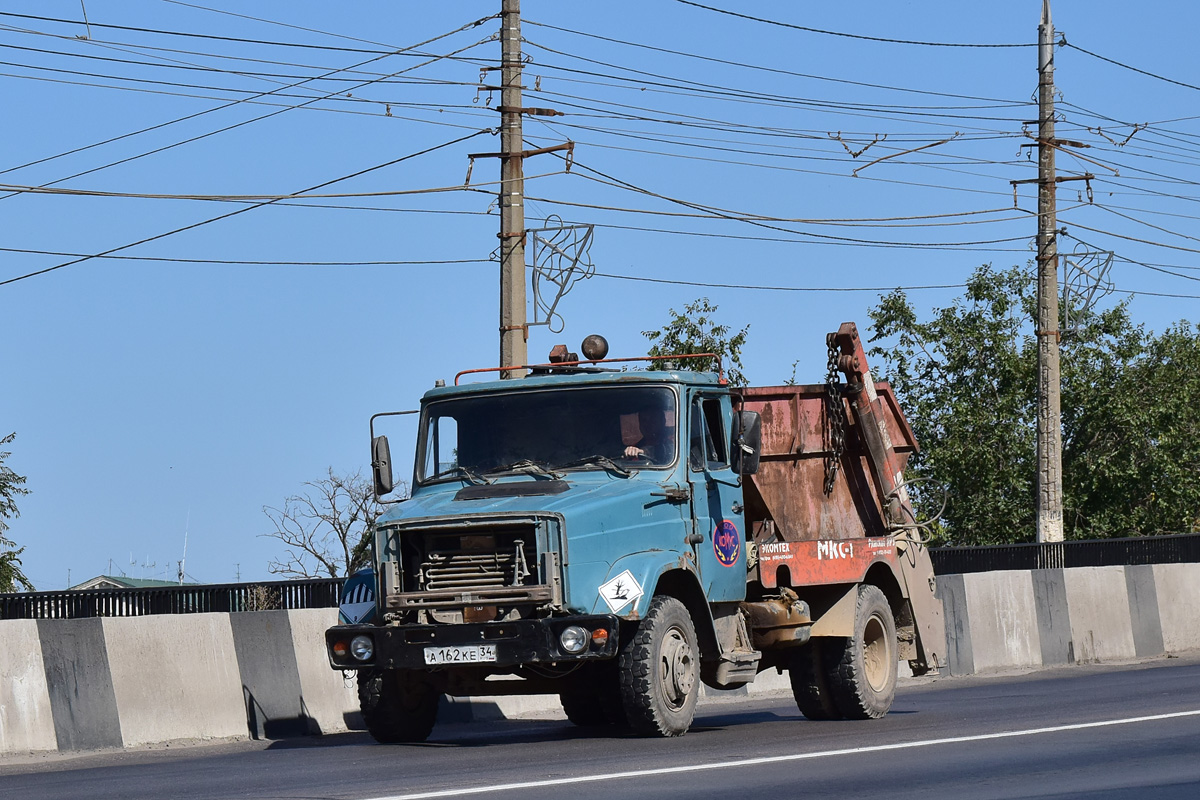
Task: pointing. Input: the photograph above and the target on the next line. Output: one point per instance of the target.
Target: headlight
(362, 648)
(574, 639)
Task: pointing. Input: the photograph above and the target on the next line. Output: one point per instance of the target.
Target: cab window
(706, 449)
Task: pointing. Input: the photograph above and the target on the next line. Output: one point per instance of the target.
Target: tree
(1131, 421)
(696, 331)
(11, 487)
(325, 529)
(967, 381)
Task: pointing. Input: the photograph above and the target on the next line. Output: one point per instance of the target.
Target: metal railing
(195, 599)
(327, 592)
(1177, 548)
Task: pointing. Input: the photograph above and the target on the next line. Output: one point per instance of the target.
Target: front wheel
(397, 705)
(863, 681)
(660, 671)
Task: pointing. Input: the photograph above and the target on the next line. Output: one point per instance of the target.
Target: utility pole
(514, 330)
(1049, 420)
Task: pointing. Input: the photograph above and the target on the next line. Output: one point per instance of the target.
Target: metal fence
(1168, 549)
(313, 593)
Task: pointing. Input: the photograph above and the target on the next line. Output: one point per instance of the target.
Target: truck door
(716, 500)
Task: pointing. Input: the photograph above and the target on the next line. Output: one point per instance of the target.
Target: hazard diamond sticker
(620, 591)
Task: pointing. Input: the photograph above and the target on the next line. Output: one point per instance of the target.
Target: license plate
(461, 654)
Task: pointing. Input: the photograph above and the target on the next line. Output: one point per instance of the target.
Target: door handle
(736, 508)
(695, 538)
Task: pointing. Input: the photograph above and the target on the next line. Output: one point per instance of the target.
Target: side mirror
(747, 442)
(381, 465)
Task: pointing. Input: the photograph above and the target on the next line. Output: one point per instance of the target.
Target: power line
(848, 35)
(705, 285)
(194, 225)
(1065, 43)
(278, 23)
(692, 142)
(254, 119)
(741, 94)
(145, 49)
(763, 68)
(378, 104)
(250, 198)
(214, 37)
(249, 263)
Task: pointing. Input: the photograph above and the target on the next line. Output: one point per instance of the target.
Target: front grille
(445, 569)
(478, 562)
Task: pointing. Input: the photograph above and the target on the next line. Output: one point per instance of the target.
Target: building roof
(122, 582)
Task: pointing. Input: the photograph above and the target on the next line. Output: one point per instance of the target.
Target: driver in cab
(653, 440)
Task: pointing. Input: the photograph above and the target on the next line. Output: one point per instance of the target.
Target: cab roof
(565, 379)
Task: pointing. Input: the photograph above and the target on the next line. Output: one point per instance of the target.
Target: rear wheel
(660, 671)
(809, 670)
(863, 681)
(397, 705)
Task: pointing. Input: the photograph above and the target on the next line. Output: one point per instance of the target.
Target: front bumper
(534, 641)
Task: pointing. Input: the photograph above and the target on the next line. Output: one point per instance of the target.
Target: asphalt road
(1086, 731)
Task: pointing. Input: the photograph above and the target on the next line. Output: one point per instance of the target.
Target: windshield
(613, 428)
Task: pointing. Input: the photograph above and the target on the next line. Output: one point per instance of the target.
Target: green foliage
(967, 381)
(11, 487)
(1131, 421)
(696, 331)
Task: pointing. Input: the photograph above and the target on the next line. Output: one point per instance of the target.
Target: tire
(397, 705)
(863, 681)
(583, 708)
(660, 671)
(593, 698)
(809, 671)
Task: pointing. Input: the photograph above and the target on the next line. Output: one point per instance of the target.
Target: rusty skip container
(828, 506)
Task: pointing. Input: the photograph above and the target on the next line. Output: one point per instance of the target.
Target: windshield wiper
(601, 461)
(466, 472)
(525, 465)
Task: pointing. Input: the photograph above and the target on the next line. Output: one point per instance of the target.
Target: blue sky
(154, 397)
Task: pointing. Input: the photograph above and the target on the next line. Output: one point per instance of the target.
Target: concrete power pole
(1049, 420)
(514, 330)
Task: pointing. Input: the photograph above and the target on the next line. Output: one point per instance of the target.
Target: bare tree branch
(326, 529)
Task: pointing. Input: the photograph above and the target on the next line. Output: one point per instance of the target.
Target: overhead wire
(249, 262)
(761, 67)
(248, 121)
(1064, 43)
(851, 35)
(253, 198)
(243, 210)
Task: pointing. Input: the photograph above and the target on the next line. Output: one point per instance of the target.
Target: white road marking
(750, 762)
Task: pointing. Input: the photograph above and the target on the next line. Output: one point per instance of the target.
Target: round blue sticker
(727, 543)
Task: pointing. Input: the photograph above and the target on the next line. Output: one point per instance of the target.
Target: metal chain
(835, 414)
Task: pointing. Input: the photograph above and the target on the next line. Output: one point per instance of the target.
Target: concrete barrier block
(175, 677)
(1143, 609)
(79, 680)
(1178, 589)
(952, 591)
(329, 697)
(1053, 617)
(1003, 622)
(26, 718)
(1098, 604)
(266, 658)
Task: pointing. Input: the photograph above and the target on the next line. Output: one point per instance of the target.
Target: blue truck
(617, 537)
